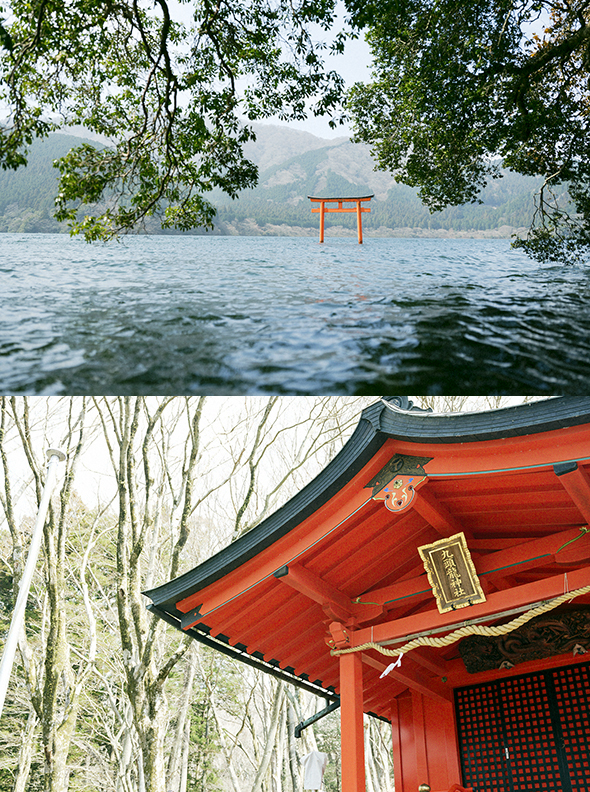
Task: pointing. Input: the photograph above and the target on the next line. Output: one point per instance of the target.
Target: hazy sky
(353, 65)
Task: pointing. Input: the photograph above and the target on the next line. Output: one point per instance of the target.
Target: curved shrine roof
(515, 481)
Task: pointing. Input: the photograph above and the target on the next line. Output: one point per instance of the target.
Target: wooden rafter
(336, 604)
(576, 483)
(437, 514)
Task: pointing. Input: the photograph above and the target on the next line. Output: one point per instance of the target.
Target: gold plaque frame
(451, 573)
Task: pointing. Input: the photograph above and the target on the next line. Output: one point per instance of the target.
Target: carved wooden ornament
(397, 481)
(451, 573)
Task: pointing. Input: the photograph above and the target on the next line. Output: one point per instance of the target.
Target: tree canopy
(460, 88)
(172, 97)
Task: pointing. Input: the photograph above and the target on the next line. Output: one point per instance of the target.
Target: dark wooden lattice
(572, 692)
(529, 736)
(481, 738)
(529, 733)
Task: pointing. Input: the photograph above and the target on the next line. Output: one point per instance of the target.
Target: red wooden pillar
(351, 723)
(398, 769)
(420, 736)
(359, 222)
(425, 747)
(322, 211)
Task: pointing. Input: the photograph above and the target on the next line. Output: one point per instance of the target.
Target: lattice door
(530, 743)
(481, 737)
(572, 693)
(528, 733)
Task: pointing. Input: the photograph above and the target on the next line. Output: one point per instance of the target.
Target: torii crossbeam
(322, 209)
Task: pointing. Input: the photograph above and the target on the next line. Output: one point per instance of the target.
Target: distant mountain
(292, 165)
(338, 167)
(276, 144)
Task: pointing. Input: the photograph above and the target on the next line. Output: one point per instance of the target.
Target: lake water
(247, 315)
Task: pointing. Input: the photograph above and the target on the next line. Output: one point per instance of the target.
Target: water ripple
(260, 315)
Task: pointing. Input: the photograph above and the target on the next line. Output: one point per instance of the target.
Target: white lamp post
(54, 456)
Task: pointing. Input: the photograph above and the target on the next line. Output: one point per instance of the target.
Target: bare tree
(130, 428)
(53, 680)
(449, 404)
(106, 695)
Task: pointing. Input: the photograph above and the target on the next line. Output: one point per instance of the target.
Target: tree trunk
(182, 787)
(271, 737)
(177, 752)
(236, 786)
(25, 754)
(294, 763)
(53, 683)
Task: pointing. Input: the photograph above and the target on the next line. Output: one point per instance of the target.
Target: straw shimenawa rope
(472, 629)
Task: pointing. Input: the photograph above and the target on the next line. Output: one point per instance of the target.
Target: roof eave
(394, 417)
(357, 451)
(523, 419)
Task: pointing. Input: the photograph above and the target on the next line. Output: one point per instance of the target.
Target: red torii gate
(358, 209)
(320, 590)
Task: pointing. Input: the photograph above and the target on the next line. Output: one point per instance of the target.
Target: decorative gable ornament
(451, 573)
(396, 483)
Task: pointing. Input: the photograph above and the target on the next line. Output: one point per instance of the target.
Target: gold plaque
(451, 573)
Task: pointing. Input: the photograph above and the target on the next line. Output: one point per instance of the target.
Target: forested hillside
(292, 165)
(347, 169)
(27, 195)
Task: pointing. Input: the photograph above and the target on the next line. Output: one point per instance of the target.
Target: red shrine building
(456, 542)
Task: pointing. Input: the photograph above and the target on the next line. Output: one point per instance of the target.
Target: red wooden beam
(377, 697)
(427, 657)
(492, 544)
(411, 678)
(282, 552)
(381, 691)
(431, 687)
(496, 602)
(525, 555)
(336, 604)
(390, 596)
(437, 514)
(576, 482)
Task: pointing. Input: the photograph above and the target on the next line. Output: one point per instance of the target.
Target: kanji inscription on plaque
(451, 573)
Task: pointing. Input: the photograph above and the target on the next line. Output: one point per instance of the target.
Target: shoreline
(27, 223)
